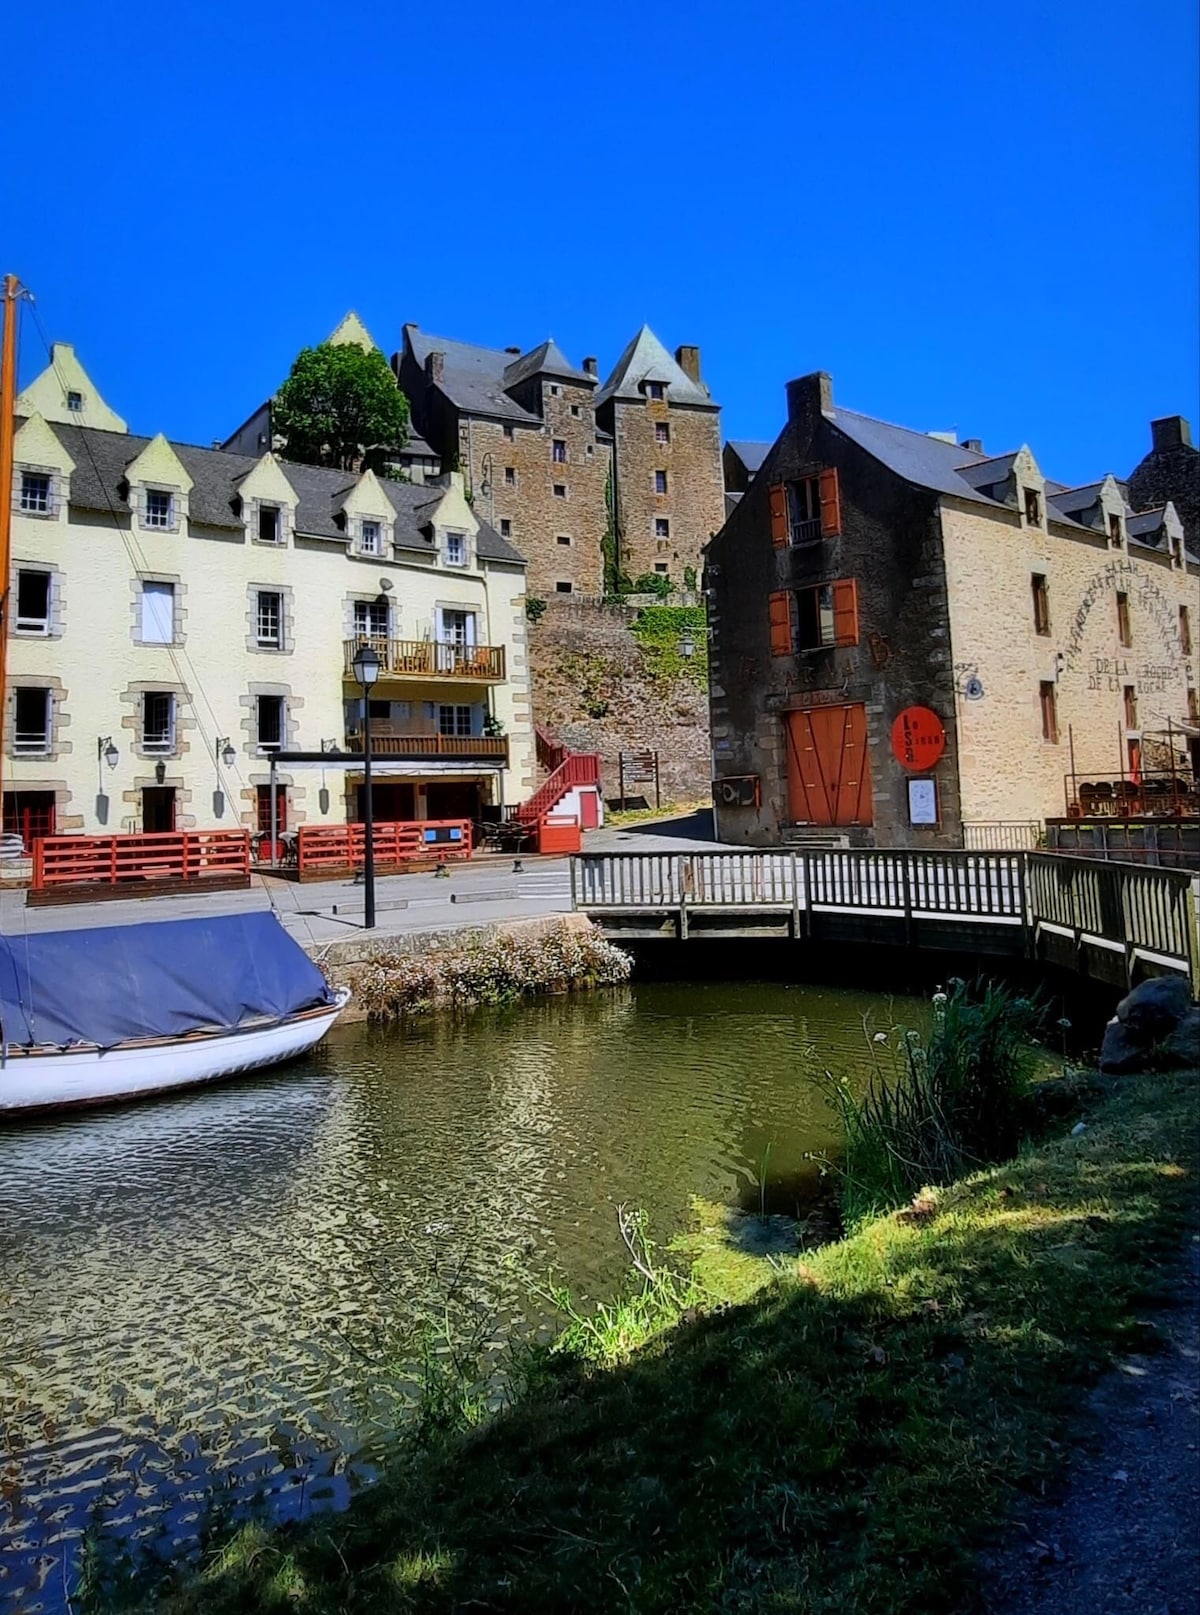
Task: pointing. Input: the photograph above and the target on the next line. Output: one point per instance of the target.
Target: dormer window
(160, 508)
(1033, 507)
(35, 493)
(655, 389)
(270, 524)
(370, 538)
(456, 549)
(75, 403)
(1114, 527)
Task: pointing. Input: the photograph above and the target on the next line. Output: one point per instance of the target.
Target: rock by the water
(1182, 1048)
(1155, 1007)
(1156, 1025)
(1121, 1052)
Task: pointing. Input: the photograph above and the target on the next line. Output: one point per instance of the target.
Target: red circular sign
(918, 739)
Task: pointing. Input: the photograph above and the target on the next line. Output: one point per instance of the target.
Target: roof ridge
(915, 431)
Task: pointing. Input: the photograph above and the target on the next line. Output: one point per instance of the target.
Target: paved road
(483, 891)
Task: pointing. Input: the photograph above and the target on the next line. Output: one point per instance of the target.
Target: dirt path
(1124, 1539)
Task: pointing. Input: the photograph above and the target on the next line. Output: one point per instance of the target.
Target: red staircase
(572, 768)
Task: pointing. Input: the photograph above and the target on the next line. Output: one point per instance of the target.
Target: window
(269, 620)
(370, 619)
(560, 490)
(1193, 704)
(590, 449)
(655, 389)
(660, 482)
(575, 410)
(160, 508)
(269, 722)
(1048, 699)
(1114, 527)
(558, 451)
(158, 722)
(370, 538)
(804, 511)
(662, 432)
(564, 588)
(661, 566)
(508, 433)
(662, 527)
(382, 709)
(456, 549)
(157, 625)
(35, 492)
(33, 602)
(1033, 507)
(1041, 603)
(1129, 693)
(1185, 631)
(75, 403)
(510, 476)
(505, 527)
(29, 814)
(1124, 628)
(270, 526)
(31, 736)
(827, 615)
(555, 390)
(262, 809)
(454, 720)
(563, 538)
(458, 627)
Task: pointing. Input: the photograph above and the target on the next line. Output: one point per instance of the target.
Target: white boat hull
(46, 1079)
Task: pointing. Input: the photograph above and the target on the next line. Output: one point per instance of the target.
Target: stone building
(1170, 474)
(568, 468)
(914, 642)
(182, 615)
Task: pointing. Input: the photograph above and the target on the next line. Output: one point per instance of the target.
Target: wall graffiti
(1122, 576)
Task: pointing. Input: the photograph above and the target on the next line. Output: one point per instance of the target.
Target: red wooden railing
(172, 857)
(323, 848)
(577, 768)
(550, 754)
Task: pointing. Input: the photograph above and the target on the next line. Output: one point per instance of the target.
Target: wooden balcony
(437, 748)
(424, 659)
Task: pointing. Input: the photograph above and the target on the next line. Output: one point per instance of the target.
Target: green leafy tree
(341, 407)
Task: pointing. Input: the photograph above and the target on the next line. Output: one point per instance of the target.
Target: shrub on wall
(662, 631)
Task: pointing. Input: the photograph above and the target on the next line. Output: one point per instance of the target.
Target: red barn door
(828, 770)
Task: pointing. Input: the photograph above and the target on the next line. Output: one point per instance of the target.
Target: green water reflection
(222, 1289)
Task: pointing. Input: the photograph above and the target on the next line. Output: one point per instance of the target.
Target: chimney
(975, 444)
(688, 360)
(809, 397)
(591, 366)
(1172, 432)
(435, 368)
(513, 350)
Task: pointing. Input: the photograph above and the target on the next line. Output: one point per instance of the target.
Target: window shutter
(845, 611)
(778, 505)
(831, 504)
(780, 617)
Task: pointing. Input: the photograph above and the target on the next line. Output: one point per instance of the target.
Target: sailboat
(107, 1013)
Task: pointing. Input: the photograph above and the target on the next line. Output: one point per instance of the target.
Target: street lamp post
(366, 671)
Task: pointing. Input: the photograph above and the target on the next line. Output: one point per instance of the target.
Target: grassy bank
(840, 1439)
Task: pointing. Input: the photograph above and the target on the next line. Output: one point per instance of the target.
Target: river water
(223, 1293)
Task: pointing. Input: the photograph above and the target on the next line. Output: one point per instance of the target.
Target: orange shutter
(781, 623)
(778, 505)
(845, 612)
(831, 504)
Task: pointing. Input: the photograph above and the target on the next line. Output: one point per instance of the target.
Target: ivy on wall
(660, 631)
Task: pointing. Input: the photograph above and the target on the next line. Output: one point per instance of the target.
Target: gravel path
(1124, 1538)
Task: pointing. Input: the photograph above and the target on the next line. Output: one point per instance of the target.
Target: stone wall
(593, 690)
(1171, 471)
(693, 505)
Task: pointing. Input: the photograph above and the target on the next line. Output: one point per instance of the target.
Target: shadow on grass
(843, 1441)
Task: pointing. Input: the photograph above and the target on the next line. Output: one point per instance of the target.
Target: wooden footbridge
(1116, 922)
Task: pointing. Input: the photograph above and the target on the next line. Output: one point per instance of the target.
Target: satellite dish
(973, 689)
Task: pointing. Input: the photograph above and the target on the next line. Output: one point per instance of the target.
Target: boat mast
(8, 402)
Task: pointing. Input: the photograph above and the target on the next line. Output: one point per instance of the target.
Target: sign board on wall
(918, 738)
(922, 801)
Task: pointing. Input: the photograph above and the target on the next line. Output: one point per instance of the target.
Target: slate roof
(989, 473)
(1145, 522)
(751, 455)
(1071, 499)
(473, 378)
(548, 359)
(101, 459)
(645, 359)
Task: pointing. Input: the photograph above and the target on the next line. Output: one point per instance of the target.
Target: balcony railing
(806, 532)
(425, 659)
(1151, 795)
(470, 748)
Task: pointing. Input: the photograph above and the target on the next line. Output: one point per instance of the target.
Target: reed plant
(940, 1105)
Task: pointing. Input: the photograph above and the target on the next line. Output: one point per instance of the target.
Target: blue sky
(976, 216)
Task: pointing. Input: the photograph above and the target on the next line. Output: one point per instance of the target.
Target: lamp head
(108, 751)
(160, 772)
(366, 665)
(228, 755)
(687, 645)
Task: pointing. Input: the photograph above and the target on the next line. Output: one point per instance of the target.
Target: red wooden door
(828, 770)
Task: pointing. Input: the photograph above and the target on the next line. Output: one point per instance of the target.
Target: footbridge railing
(1106, 919)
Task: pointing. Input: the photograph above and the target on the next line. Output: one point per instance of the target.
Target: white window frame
(163, 745)
(266, 747)
(372, 525)
(271, 641)
(155, 627)
(150, 520)
(448, 632)
(34, 625)
(365, 609)
(456, 549)
(30, 507)
(74, 401)
(264, 506)
(28, 743)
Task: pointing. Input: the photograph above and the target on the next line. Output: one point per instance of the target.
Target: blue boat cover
(160, 980)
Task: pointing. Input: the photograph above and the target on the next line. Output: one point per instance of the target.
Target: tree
(341, 406)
